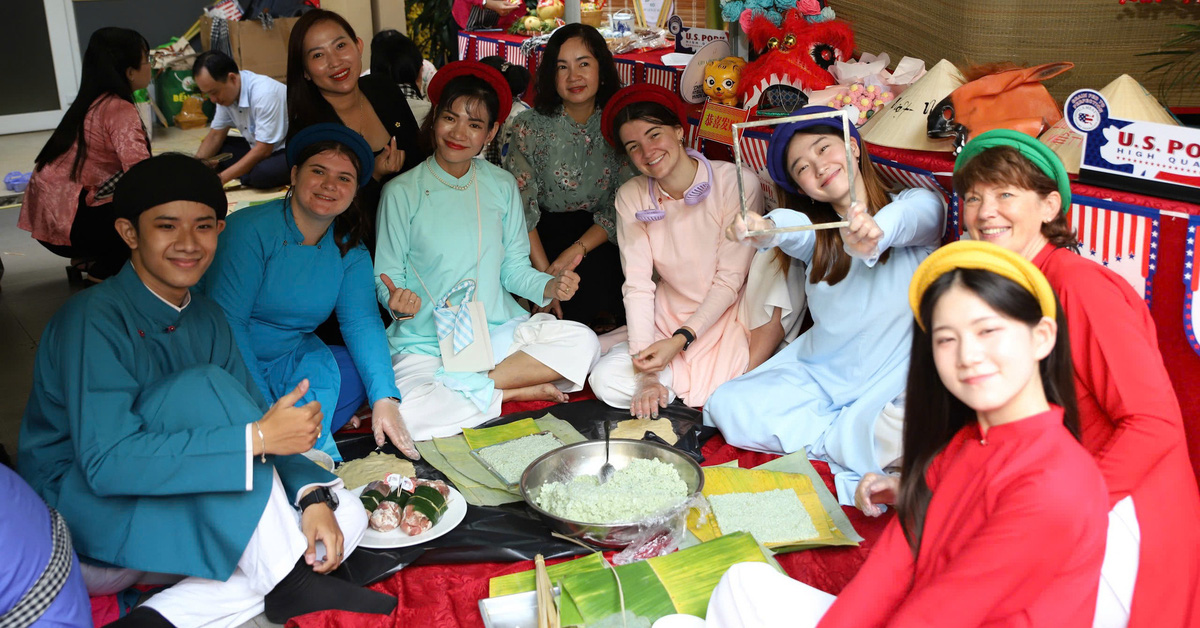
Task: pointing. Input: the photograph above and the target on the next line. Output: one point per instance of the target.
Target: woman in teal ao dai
(284, 266)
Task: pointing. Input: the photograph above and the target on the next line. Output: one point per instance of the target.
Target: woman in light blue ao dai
(837, 389)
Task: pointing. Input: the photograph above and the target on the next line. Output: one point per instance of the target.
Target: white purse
(463, 335)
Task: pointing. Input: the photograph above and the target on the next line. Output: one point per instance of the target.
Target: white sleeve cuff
(249, 457)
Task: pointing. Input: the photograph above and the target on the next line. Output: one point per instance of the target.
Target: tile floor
(34, 284)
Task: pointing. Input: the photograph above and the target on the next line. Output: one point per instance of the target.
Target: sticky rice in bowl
(651, 482)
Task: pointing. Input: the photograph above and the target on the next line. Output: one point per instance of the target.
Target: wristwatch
(320, 495)
(688, 337)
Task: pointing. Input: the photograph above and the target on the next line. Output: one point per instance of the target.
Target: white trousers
(274, 548)
(431, 409)
(1119, 572)
(889, 433)
(755, 595)
(768, 288)
(614, 381)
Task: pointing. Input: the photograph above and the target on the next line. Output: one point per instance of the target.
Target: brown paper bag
(254, 48)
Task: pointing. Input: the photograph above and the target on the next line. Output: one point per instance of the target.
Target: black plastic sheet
(512, 532)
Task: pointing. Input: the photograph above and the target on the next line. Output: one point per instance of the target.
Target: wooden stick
(544, 595)
(162, 117)
(817, 227)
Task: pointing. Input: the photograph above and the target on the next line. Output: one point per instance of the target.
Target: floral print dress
(568, 178)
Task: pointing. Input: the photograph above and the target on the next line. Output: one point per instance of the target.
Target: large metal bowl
(566, 463)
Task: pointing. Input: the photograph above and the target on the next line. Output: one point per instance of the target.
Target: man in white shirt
(257, 106)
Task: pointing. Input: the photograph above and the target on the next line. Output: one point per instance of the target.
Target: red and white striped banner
(627, 70)
(662, 76)
(464, 43)
(1124, 241)
(513, 54)
(1191, 283)
(909, 178)
(486, 48)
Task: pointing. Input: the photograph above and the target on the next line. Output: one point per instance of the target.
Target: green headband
(1030, 148)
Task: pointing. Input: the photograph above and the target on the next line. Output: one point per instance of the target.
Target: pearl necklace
(448, 184)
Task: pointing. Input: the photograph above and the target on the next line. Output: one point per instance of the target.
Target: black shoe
(142, 617)
(306, 591)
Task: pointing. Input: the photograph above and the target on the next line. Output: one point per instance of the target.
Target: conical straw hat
(1127, 99)
(903, 124)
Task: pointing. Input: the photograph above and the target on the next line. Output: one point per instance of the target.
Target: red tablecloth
(447, 596)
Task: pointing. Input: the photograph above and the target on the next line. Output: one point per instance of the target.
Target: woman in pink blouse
(66, 205)
(687, 330)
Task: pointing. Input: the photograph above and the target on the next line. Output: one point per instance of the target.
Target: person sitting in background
(518, 81)
(256, 106)
(323, 82)
(66, 206)
(396, 56)
(147, 433)
(568, 174)
(474, 15)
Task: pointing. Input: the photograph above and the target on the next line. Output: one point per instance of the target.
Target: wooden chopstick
(816, 227)
(545, 594)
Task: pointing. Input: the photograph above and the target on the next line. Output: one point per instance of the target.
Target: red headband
(451, 71)
(640, 92)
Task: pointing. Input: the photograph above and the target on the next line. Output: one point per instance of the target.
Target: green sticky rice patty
(775, 516)
(510, 458)
(644, 488)
(422, 505)
(432, 495)
(400, 498)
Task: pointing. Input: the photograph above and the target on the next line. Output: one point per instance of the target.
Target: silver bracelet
(263, 440)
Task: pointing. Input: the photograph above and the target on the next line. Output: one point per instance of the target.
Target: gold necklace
(448, 184)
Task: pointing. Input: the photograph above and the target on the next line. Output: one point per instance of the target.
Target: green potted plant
(1181, 61)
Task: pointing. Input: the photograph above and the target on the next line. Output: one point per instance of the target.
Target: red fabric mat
(506, 409)
(447, 596)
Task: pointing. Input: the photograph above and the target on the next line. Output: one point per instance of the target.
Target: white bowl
(322, 459)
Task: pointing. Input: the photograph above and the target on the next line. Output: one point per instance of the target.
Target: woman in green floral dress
(568, 175)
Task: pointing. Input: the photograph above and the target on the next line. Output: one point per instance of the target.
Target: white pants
(431, 409)
(754, 595)
(274, 548)
(614, 381)
(889, 433)
(1119, 572)
(768, 288)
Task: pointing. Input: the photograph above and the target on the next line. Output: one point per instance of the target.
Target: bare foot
(537, 392)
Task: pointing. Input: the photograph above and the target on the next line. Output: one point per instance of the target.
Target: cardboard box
(254, 48)
(389, 14)
(358, 14)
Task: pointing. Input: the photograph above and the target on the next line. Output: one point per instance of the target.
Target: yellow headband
(982, 256)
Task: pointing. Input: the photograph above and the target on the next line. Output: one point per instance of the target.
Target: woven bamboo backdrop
(1101, 37)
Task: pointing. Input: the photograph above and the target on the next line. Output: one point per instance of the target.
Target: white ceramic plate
(456, 510)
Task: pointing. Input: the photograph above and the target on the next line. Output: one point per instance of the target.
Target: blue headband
(777, 149)
(334, 132)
